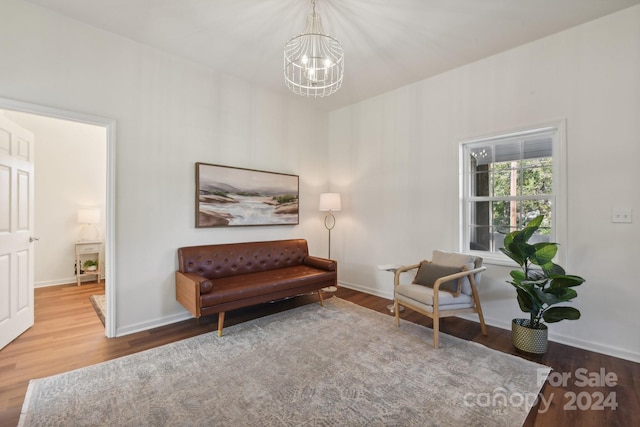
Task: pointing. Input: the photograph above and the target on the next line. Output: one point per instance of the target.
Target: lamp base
(89, 233)
(390, 308)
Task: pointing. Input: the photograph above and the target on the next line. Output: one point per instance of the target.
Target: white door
(16, 228)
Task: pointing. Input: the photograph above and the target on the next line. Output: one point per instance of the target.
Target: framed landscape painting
(231, 197)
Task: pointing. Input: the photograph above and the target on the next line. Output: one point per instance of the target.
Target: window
(508, 180)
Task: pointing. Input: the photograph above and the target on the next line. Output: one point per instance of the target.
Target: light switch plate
(621, 215)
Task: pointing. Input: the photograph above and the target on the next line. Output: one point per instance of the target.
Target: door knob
(33, 239)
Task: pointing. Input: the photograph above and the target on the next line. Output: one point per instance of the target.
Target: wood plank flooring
(68, 335)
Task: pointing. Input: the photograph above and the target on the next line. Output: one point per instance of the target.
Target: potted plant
(540, 285)
(90, 265)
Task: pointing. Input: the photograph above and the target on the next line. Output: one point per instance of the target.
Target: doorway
(68, 192)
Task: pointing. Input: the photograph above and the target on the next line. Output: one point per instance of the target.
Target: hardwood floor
(68, 335)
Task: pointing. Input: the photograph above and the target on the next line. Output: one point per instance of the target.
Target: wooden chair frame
(437, 314)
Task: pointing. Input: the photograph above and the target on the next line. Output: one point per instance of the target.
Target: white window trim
(560, 208)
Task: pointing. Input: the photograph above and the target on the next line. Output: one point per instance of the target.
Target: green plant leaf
(555, 270)
(535, 222)
(529, 250)
(528, 297)
(564, 294)
(518, 259)
(518, 275)
(544, 254)
(529, 230)
(516, 252)
(540, 283)
(508, 238)
(526, 302)
(565, 281)
(515, 243)
(547, 297)
(556, 314)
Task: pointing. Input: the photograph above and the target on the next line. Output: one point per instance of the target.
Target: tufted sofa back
(216, 261)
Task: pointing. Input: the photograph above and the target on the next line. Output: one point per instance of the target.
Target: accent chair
(445, 286)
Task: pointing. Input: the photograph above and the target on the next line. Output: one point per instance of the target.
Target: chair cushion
(429, 272)
(424, 295)
(454, 259)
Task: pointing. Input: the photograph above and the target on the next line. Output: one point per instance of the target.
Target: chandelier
(313, 61)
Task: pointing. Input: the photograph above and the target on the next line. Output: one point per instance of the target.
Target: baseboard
(58, 282)
(143, 326)
(376, 292)
(565, 339)
(498, 323)
(594, 346)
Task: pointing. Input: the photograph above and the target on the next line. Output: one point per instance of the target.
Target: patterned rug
(340, 365)
(99, 305)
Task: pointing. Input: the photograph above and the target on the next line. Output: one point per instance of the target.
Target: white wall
(394, 158)
(170, 113)
(70, 173)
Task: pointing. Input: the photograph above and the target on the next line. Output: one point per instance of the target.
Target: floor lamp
(330, 202)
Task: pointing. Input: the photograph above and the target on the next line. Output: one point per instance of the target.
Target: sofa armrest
(188, 291)
(322, 263)
(205, 285)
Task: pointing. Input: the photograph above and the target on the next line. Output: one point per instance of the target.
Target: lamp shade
(330, 202)
(89, 216)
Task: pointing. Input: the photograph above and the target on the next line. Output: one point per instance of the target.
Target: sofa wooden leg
(220, 323)
(320, 296)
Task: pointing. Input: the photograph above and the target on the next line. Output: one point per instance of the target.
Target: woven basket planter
(526, 338)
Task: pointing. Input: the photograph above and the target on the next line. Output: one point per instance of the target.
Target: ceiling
(388, 44)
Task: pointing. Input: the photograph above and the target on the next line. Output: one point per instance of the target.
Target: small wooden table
(83, 251)
(391, 268)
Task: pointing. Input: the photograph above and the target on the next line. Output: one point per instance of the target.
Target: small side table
(391, 268)
(83, 250)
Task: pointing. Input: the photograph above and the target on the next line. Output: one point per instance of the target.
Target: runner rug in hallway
(99, 304)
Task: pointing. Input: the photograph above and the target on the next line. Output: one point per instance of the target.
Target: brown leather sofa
(218, 278)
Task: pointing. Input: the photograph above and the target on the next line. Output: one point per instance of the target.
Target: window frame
(559, 191)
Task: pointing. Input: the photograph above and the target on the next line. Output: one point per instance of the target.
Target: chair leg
(220, 323)
(476, 299)
(436, 327)
(481, 316)
(397, 312)
(320, 296)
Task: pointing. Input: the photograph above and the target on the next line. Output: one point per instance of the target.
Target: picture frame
(228, 196)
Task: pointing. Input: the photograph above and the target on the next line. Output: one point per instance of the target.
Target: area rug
(99, 305)
(341, 365)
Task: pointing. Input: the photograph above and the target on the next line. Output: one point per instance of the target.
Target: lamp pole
(329, 223)
(330, 202)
